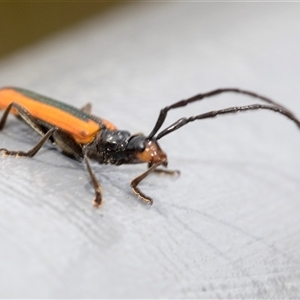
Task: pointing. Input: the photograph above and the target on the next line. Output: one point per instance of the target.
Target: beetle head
(119, 147)
(147, 150)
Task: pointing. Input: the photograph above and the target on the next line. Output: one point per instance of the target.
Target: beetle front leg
(135, 182)
(165, 172)
(97, 187)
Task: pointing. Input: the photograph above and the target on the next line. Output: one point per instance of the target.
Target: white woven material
(228, 227)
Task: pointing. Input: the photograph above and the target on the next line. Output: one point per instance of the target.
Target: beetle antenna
(211, 114)
(163, 113)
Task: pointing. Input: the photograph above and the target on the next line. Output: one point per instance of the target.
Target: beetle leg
(28, 119)
(135, 182)
(164, 171)
(68, 145)
(32, 151)
(167, 172)
(25, 115)
(98, 190)
(87, 108)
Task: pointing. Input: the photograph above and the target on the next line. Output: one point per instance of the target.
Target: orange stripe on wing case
(83, 131)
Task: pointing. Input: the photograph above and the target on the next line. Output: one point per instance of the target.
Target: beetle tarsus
(141, 195)
(5, 152)
(98, 199)
(135, 182)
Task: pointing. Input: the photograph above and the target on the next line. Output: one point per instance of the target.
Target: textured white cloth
(228, 227)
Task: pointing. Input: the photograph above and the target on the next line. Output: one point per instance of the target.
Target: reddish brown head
(152, 153)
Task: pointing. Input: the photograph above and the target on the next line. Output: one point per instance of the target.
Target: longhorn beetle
(83, 136)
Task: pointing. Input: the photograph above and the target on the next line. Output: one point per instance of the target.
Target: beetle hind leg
(32, 151)
(24, 115)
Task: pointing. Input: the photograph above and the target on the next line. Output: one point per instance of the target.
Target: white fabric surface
(228, 227)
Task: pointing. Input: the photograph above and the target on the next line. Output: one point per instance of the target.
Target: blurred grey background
(228, 227)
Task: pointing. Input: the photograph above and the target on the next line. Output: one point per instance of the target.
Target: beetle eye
(137, 143)
(140, 146)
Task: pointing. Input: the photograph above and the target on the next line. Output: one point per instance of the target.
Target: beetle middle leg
(97, 187)
(87, 108)
(72, 148)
